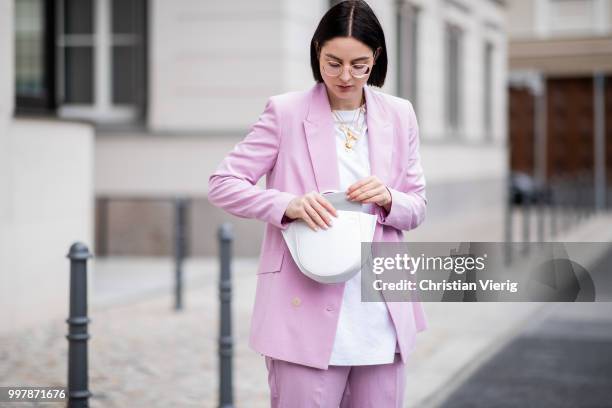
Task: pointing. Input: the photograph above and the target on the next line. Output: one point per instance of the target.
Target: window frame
(102, 110)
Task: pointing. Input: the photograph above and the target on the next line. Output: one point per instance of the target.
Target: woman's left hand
(370, 190)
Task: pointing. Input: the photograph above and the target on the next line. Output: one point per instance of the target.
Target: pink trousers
(368, 386)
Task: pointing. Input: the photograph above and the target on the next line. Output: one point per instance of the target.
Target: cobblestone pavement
(144, 354)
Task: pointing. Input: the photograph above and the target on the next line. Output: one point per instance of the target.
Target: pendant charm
(350, 138)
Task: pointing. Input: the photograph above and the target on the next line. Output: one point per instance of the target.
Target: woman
(322, 345)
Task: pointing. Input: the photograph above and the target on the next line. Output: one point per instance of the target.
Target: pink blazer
(292, 143)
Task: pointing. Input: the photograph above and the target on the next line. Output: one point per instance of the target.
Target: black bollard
(554, 208)
(226, 398)
(540, 213)
(526, 207)
(180, 245)
(508, 222)
(78, 393)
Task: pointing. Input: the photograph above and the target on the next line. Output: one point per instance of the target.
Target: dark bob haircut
(351, 18)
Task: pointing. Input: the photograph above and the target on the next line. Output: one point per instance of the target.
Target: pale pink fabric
(369, 386)
(293, 145)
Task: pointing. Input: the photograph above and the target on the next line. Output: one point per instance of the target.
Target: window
(453, 76)
(101, 55)
(77, 42)
(83, 59)
(34, 56)
(488, 91)
(407, 26)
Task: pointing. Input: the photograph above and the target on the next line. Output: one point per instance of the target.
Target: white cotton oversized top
(365, 334)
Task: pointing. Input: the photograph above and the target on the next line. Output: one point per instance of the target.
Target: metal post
(565, 203)
(540, 214)
(78, 393)
(526, 206)
(180, 205)
(599, 144)
(102, 228)
(226, 398)
(554, 196)
(587, 195)
(539, 91)
(575, 198)
(509, 224)
(571, 201)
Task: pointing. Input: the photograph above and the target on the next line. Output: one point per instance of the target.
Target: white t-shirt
(365, 334)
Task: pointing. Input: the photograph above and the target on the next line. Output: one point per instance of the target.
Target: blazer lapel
(320, 137)
(380, 136)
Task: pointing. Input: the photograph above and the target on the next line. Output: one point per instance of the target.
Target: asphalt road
(562, 360)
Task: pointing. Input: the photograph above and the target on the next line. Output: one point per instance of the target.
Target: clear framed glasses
(334, 69)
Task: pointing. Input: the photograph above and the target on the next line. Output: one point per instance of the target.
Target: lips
(345, 87)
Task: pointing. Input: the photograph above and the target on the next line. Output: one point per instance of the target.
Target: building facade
(171, 86)
(46, 182)
(560, 60)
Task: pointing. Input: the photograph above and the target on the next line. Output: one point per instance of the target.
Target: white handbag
(332, 255)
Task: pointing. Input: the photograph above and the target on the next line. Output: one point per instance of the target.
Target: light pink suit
(292, 143)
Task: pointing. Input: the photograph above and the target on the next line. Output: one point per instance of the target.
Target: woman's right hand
(313, 208)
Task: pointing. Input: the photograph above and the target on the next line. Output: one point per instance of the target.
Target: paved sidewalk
(144, 354)
(496, 333)
(563, 359)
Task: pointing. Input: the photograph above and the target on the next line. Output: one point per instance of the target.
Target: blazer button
(296, 301)
(329, 308)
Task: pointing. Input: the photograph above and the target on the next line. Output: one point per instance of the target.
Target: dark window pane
(78, 78)
(29, 48)
(124, 74)
(78, 16)
(127, 16)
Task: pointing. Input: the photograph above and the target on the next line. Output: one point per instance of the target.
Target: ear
(377, 53)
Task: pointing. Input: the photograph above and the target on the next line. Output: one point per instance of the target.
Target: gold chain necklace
(350, 136)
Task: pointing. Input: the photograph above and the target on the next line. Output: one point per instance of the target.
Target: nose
(346, 74)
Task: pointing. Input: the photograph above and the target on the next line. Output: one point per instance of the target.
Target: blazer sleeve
(232, 186)
(408, 199)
